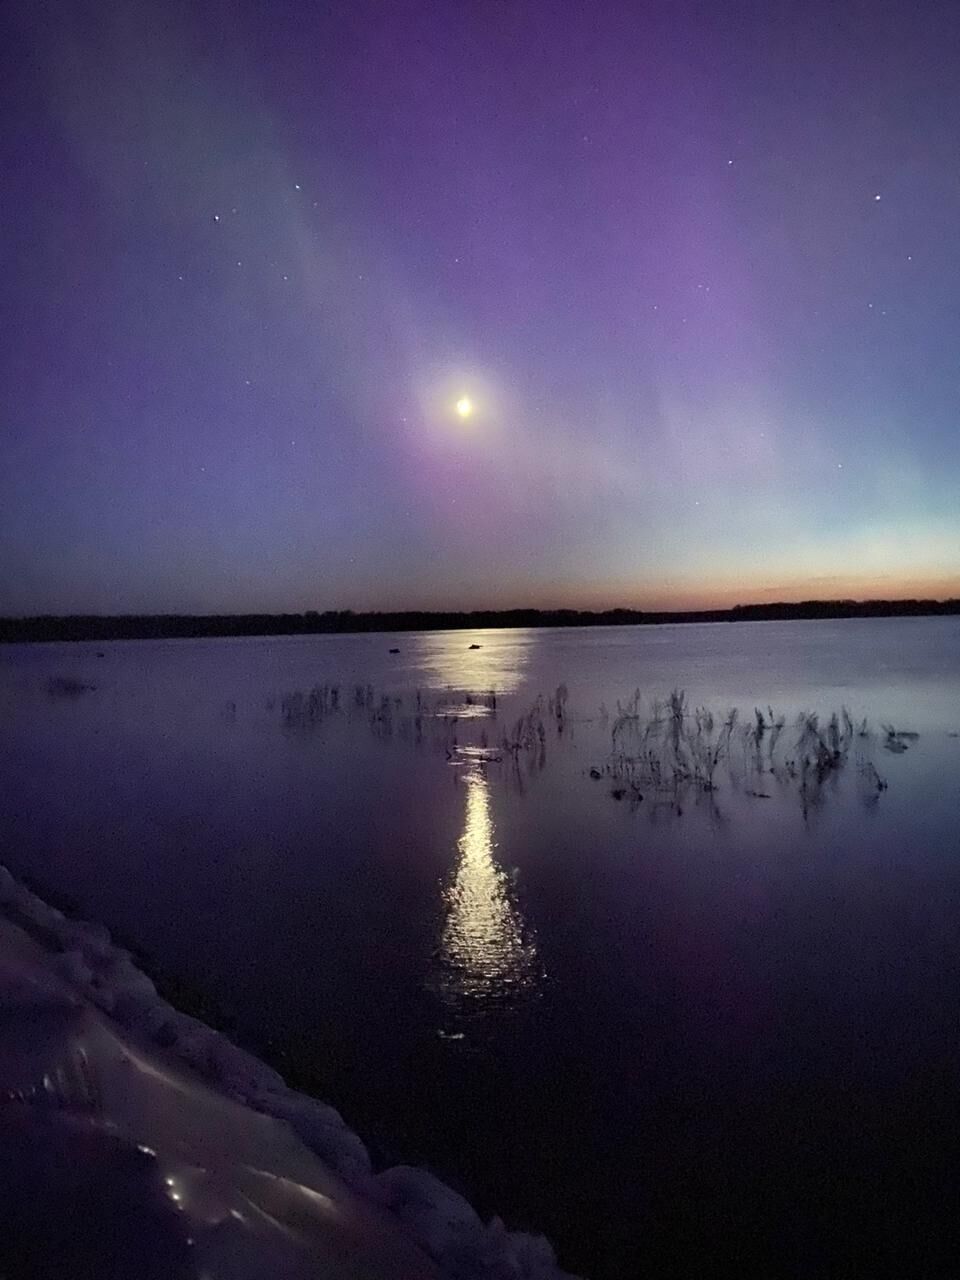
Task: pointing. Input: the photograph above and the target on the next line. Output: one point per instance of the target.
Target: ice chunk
(437, 1216)
(433, 1214)
(322, 1129)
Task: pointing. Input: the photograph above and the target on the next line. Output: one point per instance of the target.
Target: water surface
(671, 1026)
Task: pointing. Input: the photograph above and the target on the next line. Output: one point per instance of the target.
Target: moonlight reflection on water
(484, 948)
(476, 660)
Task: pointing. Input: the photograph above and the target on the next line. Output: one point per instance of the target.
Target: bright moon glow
(464, 407)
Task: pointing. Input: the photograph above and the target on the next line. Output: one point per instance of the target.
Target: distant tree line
(170, 626)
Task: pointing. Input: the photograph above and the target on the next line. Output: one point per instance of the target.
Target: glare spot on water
(474, 660)
(483, 945)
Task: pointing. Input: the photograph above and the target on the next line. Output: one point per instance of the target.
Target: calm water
(699, 1030)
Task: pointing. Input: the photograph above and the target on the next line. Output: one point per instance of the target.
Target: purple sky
(695, 265)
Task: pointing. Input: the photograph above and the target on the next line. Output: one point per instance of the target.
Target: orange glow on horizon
(678, 596)
(725, 594)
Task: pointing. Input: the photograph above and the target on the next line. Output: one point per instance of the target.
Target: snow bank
(438, 1219)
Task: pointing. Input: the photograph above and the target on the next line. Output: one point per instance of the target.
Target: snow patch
(440, 1220)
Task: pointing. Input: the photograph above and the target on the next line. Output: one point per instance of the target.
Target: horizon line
(809, 602)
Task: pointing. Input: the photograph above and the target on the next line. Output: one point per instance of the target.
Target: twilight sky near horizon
(694, 267)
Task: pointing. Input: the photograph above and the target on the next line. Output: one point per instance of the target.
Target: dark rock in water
(394, 650)
(474, 646)
(618, 793)
(101, 654)
(595, 773)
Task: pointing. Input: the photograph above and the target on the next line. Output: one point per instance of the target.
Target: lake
(678, 989)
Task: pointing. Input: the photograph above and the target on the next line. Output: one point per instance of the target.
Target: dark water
(711, 1030)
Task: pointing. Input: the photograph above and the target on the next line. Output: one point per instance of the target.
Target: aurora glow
(696, 265)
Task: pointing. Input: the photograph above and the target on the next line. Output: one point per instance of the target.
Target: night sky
(692, 272)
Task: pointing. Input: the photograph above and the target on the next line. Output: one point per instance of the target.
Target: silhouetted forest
(168, 626)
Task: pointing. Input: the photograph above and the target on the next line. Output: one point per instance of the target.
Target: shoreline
(95, 627)
(426, 1211)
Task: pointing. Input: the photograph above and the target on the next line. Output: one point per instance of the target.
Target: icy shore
(438, 1219)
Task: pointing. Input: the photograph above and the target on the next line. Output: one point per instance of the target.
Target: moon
(464, 407)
